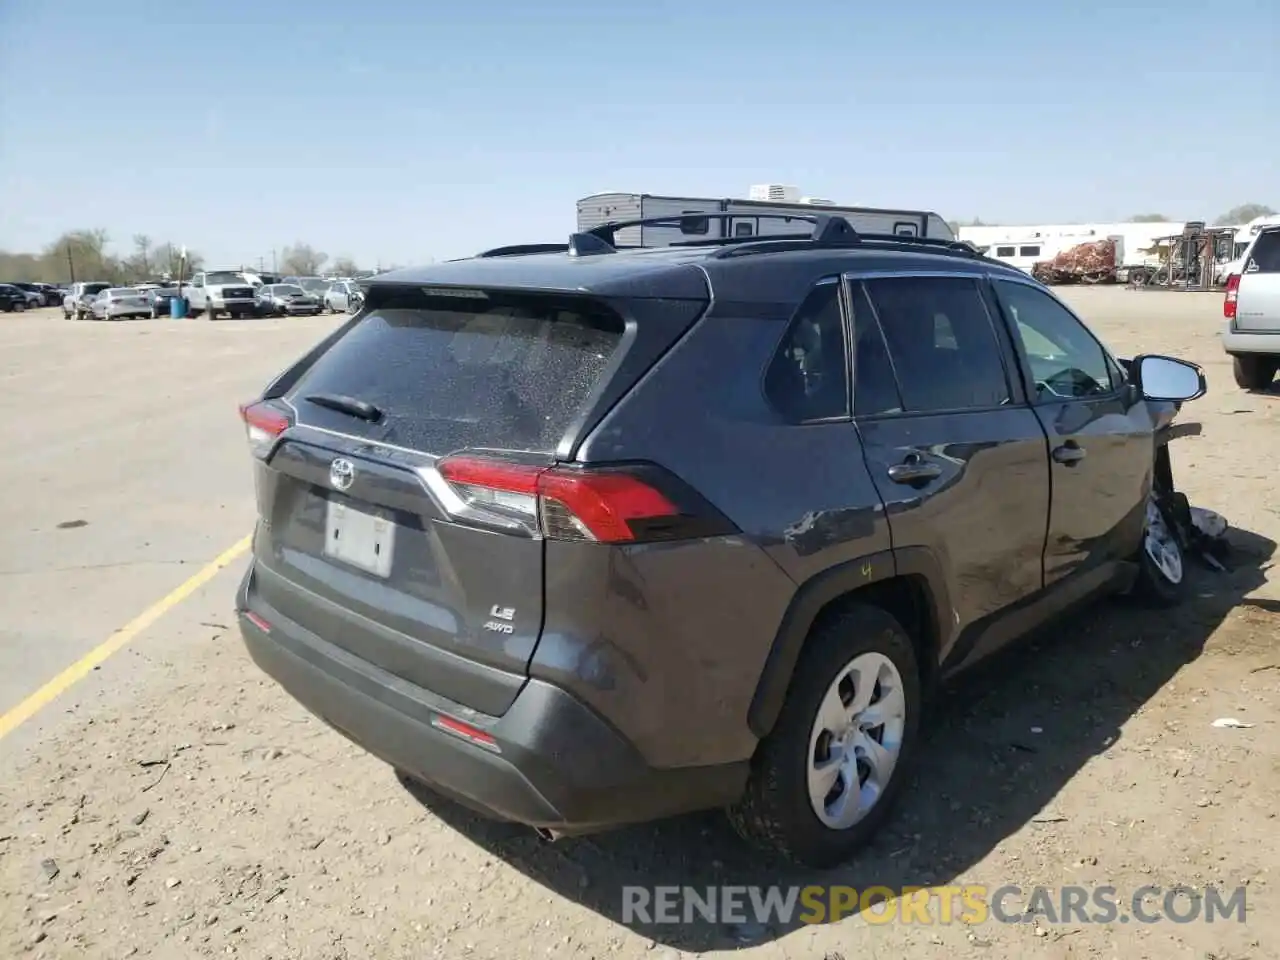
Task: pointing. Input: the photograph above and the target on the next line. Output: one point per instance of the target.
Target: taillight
(625, 504)
(1233, 294)
(263, 424)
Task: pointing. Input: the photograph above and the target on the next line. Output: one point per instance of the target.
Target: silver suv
(1252, 309)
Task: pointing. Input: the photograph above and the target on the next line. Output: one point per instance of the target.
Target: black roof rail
(829, 230)
(879, 241)
(608, 231)
(518, 249)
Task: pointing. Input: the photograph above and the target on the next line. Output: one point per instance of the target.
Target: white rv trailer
(746, 218)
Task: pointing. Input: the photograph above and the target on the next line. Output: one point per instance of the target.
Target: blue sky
(398, 131)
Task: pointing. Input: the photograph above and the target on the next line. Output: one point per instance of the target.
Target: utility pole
(71, 263)
(274, 266)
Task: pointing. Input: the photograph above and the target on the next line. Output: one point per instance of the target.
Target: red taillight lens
(1233, 293)
(556, 502)
(598, 506)
(263, 423)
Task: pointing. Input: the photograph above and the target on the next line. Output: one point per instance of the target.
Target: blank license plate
(360, 539)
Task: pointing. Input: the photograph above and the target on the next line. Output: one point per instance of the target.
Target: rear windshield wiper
(344, 404)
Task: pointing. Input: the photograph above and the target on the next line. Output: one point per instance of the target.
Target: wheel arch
(906, 582)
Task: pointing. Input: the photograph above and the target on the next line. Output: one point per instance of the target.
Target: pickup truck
(1252, 308)
(220, 291)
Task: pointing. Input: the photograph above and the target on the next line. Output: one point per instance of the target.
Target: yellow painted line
(29, 707)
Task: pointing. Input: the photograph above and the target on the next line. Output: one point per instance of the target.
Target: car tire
(19, 307)
(1253, 371)
(1162, 564)
(778, 811)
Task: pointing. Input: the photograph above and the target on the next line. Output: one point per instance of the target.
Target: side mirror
(1169, 380)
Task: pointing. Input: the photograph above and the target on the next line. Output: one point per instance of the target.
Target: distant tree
(82, 255)
(169, 262)
(344, 267)
(302, 260)
(1244, 213)
(1149, 218)
(139, 265)
(955, 225)
(22, 267)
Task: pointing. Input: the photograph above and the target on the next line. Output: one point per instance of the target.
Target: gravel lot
(177, 804)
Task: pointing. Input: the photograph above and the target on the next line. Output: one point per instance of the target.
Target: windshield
(123, 292)
(223, 276)
(285, 289)
(314, 283)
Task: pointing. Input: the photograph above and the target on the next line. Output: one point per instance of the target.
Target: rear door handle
(914, 470)
(1069, 453)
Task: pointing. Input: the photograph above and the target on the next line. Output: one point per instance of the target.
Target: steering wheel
(1069, 382)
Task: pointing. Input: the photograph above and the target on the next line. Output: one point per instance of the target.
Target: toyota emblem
(342, 473)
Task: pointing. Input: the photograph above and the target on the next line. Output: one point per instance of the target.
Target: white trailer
(746, 218)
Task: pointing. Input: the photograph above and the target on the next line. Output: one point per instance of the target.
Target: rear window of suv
(1265, 253)
(499, 371)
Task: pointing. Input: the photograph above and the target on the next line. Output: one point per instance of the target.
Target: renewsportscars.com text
(969, 904)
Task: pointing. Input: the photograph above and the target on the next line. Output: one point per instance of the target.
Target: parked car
(76, 302)
(33, 296)
(341, 295)
(1252, 308)
(12, 299)
(315, 286)
(161, 299)
(286, 299)
(591, 537)
(120, 303)
(39, 294)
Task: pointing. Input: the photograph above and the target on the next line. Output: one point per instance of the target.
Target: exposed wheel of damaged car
(1162, 571)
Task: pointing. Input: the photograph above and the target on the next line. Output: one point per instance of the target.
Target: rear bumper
(556, 764)
(1240, 341)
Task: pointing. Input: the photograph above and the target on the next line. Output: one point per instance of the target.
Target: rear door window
(505, 372)
(941, 343)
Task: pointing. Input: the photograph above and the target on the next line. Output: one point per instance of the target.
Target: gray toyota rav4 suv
(580, 535)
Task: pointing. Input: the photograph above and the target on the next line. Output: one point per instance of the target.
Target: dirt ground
(205, 814)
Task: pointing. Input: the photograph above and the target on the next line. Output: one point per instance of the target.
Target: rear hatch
(1258, 293)
(398, 477)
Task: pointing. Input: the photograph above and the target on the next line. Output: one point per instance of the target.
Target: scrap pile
(1093, 262)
